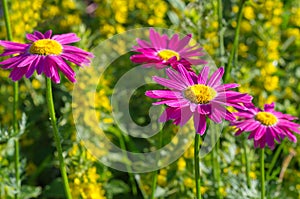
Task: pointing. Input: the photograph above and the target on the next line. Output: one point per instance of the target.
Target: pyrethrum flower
(163, 51)
(197, 96)
(45, 54)
(266, 125)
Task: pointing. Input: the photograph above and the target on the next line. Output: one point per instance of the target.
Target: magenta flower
(197, 96)
(266, 125)
(162, 51)
(45, 54)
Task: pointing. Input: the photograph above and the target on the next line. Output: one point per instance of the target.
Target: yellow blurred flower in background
(271, 83)
(249, 13)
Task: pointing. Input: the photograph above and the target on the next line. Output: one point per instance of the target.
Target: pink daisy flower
(266, 125)
(197, 96)
(45, 54)
(163, 51)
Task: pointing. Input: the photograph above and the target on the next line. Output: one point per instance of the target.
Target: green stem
(6, 18)
(214, 177)
(197, 165)
(15, 105)
(234, 49)
(17, 166)
(215, 165)
(131, 177)
(262, 170)
(221, 32)
(154, 183)
(247, 163)
(155, 173)
(57, 138)
(217, 169)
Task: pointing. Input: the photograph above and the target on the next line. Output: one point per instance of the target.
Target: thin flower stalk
(197, 165)
(155, 173)
(262, 173)
(234, 50)
(57, 139)
(15, 106)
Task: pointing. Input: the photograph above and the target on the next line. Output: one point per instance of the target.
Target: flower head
(45, 54)
(266, 125)
(196, 95)
(163, 51)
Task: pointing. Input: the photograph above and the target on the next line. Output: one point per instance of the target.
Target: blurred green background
(268, 68)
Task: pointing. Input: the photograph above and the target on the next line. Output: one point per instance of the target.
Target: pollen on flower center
(166, 54)
(266, 118)
(46, 47)
(200, 94)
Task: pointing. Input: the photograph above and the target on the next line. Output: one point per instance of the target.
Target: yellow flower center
(46, 47)
(200, 94)
(166, 54)
(266, 118)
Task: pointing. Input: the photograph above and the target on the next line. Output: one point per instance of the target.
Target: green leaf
(178, 4)
(28, 192)
(4, 136)
(173, 17)
(55, 189)
(117, 187)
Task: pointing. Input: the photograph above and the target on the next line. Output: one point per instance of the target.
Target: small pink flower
(163, 51)
(197, 96)
(45, 54)
(266, 125)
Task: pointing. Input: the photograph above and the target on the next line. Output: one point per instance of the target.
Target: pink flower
(197, 96)
(266, 125)
(45, 54)
(162, 52)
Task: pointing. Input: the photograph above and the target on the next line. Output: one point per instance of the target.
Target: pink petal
(200, 123)
(40, 65)
(17, 73)
(143, 44)
(202, 77)
(64, 68)
(182, 43)
(173, 103)
(224, 87)
(204, 109)
(174, 41)
(28, 59)
(185, 115)
(216, 77)
(269, 107)
(32, 67)
(39, 35)
(269, 137)
(66, 38)
(169, 83)
(176, 77)
(48, 34)
(31, 37)
(167, 94)
(155, 38)
(185, 74)
(260, 131)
